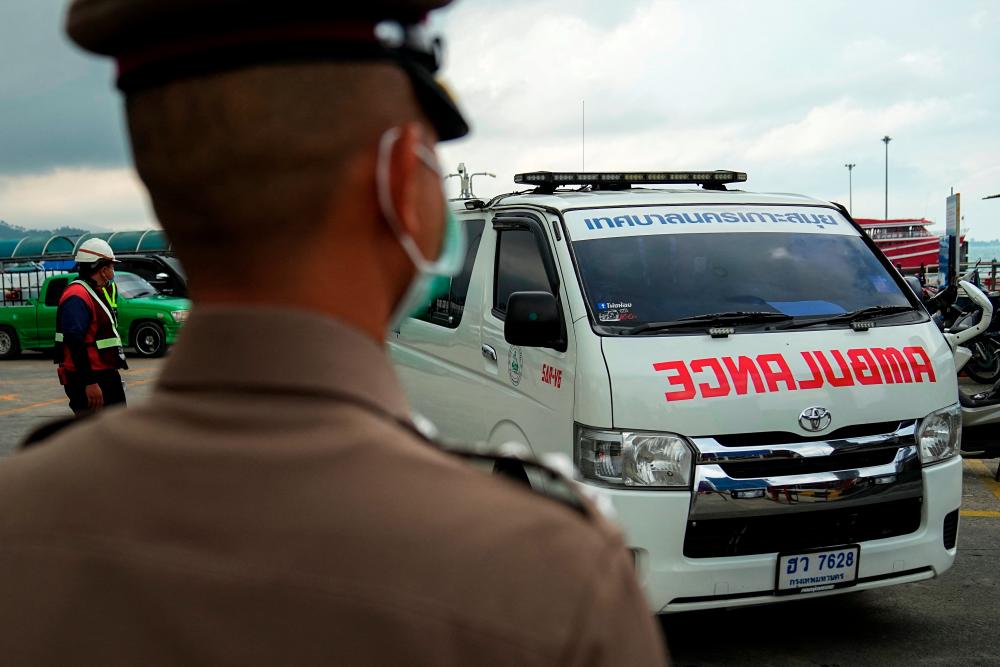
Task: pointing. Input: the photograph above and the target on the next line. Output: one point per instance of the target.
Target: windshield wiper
(871, 312)
(733, 318)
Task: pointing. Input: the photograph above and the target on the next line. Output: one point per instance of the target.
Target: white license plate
(818, 570)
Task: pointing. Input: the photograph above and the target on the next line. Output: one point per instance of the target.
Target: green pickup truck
(147, 321)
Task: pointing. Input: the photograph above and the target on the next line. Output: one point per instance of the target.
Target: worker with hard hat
(88, 346)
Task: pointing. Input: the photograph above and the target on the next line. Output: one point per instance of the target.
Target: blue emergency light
(548, 181)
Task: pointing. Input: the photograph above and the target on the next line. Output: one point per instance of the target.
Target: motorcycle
(980, 410)
(984, 365)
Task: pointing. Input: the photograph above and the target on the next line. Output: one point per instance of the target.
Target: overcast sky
(787, 91)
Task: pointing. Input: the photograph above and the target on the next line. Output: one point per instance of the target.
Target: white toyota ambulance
(743, 376)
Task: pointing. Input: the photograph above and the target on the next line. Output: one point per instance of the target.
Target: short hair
(249, 160)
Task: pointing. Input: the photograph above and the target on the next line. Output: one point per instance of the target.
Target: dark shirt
(74, 318)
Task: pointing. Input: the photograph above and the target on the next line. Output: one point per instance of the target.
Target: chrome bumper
(734, 480)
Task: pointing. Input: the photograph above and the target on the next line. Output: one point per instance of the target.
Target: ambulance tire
(512, 471)
(10, 346)
(149, 340)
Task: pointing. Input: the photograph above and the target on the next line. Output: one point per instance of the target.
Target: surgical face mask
(431, 277)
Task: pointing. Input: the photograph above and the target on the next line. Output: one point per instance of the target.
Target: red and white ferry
(905, 241)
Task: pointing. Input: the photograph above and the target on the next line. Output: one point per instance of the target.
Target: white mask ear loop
(382, 178)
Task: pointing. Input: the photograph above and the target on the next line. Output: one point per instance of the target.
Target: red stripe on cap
(92, 252)
(360, 33)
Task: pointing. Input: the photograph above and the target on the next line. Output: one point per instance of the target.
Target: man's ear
(404, 171)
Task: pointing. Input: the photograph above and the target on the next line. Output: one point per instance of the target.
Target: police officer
(274, 502)
(88, 347)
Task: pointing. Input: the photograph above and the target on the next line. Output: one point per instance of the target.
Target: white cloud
(110, 199)
(842, 124)
(979, 19)
(923, 63)
(786, 91)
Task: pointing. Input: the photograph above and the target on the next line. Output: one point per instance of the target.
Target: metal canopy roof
(36, 246)
(41, 246)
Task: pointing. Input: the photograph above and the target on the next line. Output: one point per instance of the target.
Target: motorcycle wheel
(984, 366)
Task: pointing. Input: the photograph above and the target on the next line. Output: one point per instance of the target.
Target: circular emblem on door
(516, 366)
(815, 419)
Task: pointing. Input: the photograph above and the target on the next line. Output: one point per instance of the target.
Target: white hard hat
(94, 250)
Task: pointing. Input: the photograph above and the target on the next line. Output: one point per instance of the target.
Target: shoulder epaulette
(534, 475)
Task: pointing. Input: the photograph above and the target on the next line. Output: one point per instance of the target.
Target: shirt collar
(281, 350)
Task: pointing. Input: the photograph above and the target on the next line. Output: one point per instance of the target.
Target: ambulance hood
(696, 385)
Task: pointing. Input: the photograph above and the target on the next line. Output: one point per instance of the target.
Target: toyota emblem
(815, 419)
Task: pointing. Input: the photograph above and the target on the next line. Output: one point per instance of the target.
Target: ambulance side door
(530, 389)
(436, 352)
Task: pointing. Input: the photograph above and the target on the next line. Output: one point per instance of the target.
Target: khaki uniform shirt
(267, 506)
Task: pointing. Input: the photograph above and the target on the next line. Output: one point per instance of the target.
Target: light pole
(850, 187)
(885, 140)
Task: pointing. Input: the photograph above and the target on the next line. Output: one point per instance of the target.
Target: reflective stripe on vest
(113, 297)
(102, 344)
(105, 343)
(104, 308)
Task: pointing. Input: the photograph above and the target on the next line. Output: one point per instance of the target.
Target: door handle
(489, 353)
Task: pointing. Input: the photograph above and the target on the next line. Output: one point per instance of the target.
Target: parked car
(147, 320)
(163, 272)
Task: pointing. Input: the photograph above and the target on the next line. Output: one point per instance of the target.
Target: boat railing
(988, 272)
(878, 235)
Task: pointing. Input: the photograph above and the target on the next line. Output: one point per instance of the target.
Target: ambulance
(744, 378)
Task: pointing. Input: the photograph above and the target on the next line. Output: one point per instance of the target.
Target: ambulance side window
(519, 267)
(447, 306)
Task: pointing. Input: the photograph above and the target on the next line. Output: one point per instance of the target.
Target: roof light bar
(619, 180)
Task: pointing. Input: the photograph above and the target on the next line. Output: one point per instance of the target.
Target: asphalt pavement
(30, 394)
(952, 620)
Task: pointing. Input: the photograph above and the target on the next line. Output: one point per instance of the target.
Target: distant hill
(9, 231)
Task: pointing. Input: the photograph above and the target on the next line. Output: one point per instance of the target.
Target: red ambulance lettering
(845, 380)
(681, 377)
(716, 378)
(741, 371)
(921, 366)
(707, 390)
(816, 381)
(552, 375)
(894, 367)
(773, 377)
(863, 365)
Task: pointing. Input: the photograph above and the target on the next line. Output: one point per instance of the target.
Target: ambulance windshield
(632, 279)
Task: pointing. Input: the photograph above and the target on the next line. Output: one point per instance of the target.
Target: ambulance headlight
(940, 434)
(634, 459)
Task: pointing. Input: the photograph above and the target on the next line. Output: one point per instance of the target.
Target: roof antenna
(466, 180)
(583, 135)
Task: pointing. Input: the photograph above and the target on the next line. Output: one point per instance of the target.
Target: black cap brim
(436, 102)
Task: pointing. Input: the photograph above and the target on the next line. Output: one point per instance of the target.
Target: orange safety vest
(104, 345)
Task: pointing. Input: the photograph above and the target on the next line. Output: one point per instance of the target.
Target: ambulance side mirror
(533, 320)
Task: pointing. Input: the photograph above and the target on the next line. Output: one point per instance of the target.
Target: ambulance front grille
(780, 467)
(763, 439)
